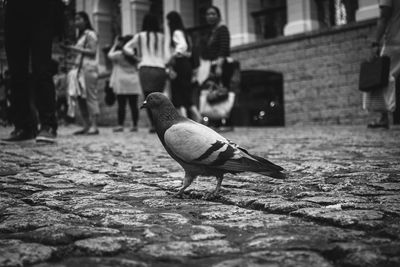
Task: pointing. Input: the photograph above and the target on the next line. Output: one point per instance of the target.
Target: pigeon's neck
(166, 116)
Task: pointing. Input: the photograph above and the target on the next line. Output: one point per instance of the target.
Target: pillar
(133, 12)
(302, 17)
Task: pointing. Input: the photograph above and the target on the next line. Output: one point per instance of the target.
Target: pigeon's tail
(266, 167)
(276, 175)
(253, 163)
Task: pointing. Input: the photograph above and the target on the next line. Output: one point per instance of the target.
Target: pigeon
(199, 149)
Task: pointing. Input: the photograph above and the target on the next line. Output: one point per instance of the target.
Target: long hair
(151, 25)
(122, 40)
(175, 23)
(216, 9)
(88, 25)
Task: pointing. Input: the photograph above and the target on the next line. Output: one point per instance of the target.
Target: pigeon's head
(154, 100)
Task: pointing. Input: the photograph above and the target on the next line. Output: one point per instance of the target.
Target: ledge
(302, 36)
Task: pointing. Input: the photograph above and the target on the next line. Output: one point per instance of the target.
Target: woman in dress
(180, 67)
(148, 45)
(125, 82)
(86, 51)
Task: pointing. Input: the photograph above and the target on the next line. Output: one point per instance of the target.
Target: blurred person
(60, 82)
(125, 82)
(148, 45)
(30, 27)
(180, 67)
(215, 50)
(387, 36)
(86, 51)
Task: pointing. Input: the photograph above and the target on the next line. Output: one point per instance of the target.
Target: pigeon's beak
(144, 105)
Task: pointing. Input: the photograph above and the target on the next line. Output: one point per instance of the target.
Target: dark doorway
(260, 100)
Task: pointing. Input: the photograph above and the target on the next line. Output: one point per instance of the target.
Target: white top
(181, 46)
(124, 76)
(151, 53)
(88, 40)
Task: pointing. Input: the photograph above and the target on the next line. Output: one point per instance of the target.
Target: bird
(200, 150)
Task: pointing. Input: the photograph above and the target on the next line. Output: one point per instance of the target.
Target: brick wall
(320, 71)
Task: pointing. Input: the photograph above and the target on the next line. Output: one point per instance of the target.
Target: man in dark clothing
(29, 30)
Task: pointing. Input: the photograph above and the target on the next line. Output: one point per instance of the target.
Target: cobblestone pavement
(105, 201)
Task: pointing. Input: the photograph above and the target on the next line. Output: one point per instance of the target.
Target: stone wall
(320, 71)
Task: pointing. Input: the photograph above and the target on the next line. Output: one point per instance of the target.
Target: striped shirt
(217, 45)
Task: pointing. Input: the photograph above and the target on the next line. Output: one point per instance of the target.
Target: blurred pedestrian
(214, 54)
(60, 83)
(180, 67)
(125, 82)
(387, 36)
(148, 45)
(86, 50)
(29, 30)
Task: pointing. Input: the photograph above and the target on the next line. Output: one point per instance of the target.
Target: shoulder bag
(374, 74)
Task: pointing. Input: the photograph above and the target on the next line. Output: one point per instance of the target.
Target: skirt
(152, 79)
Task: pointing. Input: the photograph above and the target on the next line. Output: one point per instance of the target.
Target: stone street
(107, 200)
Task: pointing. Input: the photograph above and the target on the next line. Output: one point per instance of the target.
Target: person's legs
(133, 104)
(17, 27)
(83, 108)
(41, 38)
(121, 101)
(91, 76)
(121, 109)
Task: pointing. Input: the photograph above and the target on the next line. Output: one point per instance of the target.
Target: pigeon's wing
(197, 144)
(194, 142)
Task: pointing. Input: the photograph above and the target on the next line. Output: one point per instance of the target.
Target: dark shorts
(181, 86)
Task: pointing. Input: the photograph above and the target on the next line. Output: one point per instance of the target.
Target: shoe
(118, 129)
(95, 132)
(374, 125)
(134, 129)
(47, 135)
(19, 135)
(81, 132)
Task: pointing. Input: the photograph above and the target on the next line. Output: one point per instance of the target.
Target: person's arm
(179, 40)
(113, 54)
(223, 48)
(385, 14)
(130, 45)
(90, 45)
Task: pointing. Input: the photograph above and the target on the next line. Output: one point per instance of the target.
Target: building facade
(317, 45)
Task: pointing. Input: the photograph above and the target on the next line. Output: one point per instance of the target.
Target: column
(237, 19)
(367, 9)
(302, 17)
(133, 12)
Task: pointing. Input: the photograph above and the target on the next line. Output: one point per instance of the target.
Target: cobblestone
(106, 201)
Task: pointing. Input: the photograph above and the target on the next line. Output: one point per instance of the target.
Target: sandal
(96, 132)
(374, 125)
(81, 132)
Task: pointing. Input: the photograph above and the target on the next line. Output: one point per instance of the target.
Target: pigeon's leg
(217, 188)
(187, 180)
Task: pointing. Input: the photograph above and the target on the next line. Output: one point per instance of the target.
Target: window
(270, 20)
(335, 12)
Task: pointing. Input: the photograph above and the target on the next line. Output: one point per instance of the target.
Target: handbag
(109, 97)
(216, 92)
(374, 74)
(218, 110)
